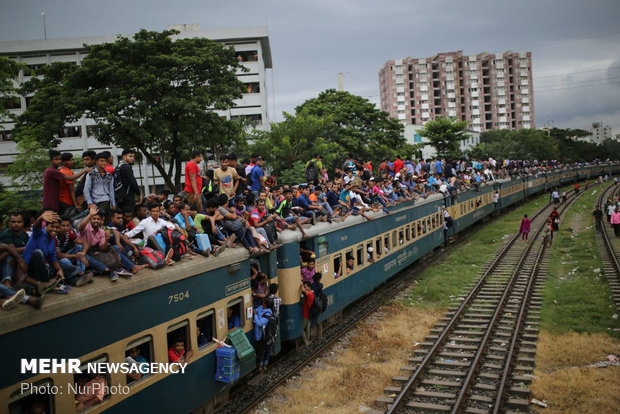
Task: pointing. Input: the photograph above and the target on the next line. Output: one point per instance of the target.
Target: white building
(599, 133)
(251, 46)
(412, 135)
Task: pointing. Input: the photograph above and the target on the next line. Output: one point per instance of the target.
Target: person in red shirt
(193, 180)
(110, 167)
(176, 352)
(306, 303)
(52, 179)
(398, 165)
(67, 199)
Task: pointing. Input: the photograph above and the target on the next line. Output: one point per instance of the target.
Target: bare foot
(137, 268)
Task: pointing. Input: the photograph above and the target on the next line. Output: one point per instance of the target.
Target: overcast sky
(575, 44)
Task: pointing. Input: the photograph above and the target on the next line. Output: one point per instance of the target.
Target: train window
(407, 234)
(378, 249)
(401, 236)
(178, 340)
(423, 226)
(30, 401)
(139, 352)
(91, 386)
(394, 239)
(386, 244)
(205, 328)
(360, 255)
(428, 224)
(419, 228)
(369, 252)
(323, 249)
(337, 266)
(434, 222)
(349, 262)
(234, 314)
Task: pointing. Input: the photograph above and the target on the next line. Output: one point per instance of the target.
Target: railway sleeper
(518, 403)
(427, 407)
(434, 394)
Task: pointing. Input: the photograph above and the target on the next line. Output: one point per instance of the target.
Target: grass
(438, 285)
(577, 297)
(576, 323)
(355, 372)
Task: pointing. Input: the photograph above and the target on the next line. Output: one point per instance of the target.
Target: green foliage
(560, 144)
(355, 125)
(9, 72)
(26, 171)
(334, 124)
(151, 93)
(445, 135)
(297, 138)
(294, 174)
(522, 144)
(51, 106)
(577, 296)
(14, 200)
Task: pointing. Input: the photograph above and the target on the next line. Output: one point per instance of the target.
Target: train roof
(102, 291)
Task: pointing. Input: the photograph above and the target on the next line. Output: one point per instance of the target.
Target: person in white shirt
(151, 225)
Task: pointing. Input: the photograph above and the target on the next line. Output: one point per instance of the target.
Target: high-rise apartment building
(252, 49)
(489, 91)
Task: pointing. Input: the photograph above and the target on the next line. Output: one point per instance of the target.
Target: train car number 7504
(178, 297)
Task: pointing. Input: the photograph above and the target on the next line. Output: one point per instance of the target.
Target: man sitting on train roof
(121, 243)
(44, 271)
(9, 297)
(96, 248)
(151, 225)
(16, 237)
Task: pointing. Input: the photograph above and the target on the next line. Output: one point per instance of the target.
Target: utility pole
(340, 81)
(44, 26)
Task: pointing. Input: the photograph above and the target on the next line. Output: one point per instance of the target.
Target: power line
(577, 87)
(579, 82)
(574, 73)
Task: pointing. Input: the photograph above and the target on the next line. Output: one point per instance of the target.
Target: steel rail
(396, 404)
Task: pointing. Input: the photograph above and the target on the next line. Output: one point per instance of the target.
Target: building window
(247, 56)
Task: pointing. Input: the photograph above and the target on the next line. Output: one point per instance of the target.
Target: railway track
(480, 356)
(262, 385)
(609, 255)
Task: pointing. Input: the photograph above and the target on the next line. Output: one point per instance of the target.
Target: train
(101, 322)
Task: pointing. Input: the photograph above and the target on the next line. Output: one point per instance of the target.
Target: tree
(355, 125)
(9, 72)
(445, 135)
(154, 94)
(50, 108)
(297, 138)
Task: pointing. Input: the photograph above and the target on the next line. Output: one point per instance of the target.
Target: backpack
(322, 300)
(152, 258)
(120, 192)
(270, 330)
(176, 241)
(312, 171)
(315, 309)
(270, 229)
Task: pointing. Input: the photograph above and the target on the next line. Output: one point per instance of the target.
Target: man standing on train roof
(99, 187)
(67, 199)
(193, 180)
(257, 176)
(126, 186)
(313, 169)
(227, 178)
(52, 180)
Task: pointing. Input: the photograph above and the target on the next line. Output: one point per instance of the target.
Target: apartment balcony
(526, 117)
(501, 110)
(501, 92)
(475, 111)
(424, 88)
(503, 119)
(451, 95)
(525, 99)
(501, 101)
(475, 94)
(452, 113)
(424, 106)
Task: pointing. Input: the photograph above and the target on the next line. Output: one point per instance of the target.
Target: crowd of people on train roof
(96, 221)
